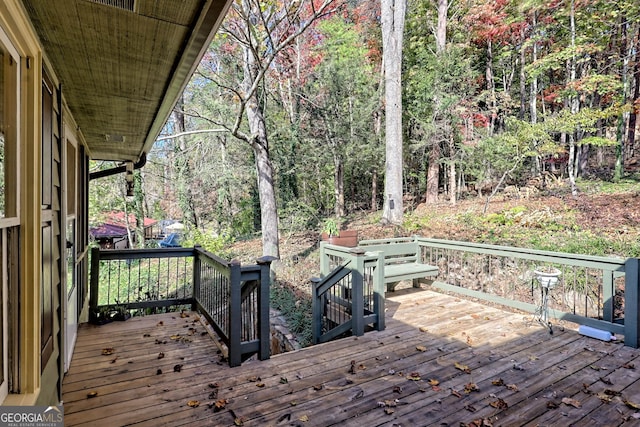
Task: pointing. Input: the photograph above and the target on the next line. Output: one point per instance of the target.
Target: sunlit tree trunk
(433, 171)
(393, 15)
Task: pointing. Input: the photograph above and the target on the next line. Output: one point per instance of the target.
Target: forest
(285, 122)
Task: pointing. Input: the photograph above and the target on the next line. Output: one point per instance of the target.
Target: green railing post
(357, 290)
(264, 329)
(379, 289)
(95, 276)
(235, 314)
(324, 260)
(631, 303)
(316, 310)
(197, 277)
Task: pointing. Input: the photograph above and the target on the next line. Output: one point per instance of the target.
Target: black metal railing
(233, 298)
(350, 297)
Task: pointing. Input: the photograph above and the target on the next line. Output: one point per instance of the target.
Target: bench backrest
(396, 253)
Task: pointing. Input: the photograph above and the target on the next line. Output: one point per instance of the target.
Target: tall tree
(433, 171)
(393, 16)
(260, 30)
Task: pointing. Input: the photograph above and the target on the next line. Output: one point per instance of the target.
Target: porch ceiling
(124, 63)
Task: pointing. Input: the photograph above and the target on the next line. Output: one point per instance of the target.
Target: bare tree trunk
(338, 177)
(433, 171)
(260, 144)
(534, 82)
(633, 118)
(452, 170)
(574, 105)
(374, 190)
(393, 15)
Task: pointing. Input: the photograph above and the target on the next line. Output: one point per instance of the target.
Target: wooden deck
(441, 361)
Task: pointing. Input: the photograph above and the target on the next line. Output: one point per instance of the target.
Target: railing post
(235, 314)
(324, 260)
(357, 289)
(264, 329)
(316, 310)
(197, 276)
(95, 276)
(631, 303)
(379, 289)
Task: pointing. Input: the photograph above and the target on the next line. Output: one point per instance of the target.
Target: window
(9, 223)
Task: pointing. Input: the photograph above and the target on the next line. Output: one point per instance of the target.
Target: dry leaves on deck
(193, 403)
(108, 351)
(421, 348)
(571, 402)
(463, 368)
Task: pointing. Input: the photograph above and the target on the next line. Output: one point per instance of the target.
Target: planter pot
(348, 238)
(548, 278)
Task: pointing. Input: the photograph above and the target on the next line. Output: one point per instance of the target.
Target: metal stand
(542, 311)
(547, 278)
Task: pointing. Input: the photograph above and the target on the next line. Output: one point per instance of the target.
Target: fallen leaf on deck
(463, 368)
(470, 408)
(423, 329)
(108, 351)
(361, 367)
(512, 387)
(239, 421)
(605, 398)
(571, 402)
(193, 403)
(552, 405)
(159, 372)
(220, 405)
(317, 387)
(160, 323)
(499, 404)
(304, 418)
(498, 382)
(421, 348)
(612, 392)
(434, 382)
(414, 376)
(352, 369)
(114, 359)
(456, 393)
(160, 355)
(632, 405)
(594, 367)
(160, 341)
(177, 368)
(397, 389)
(92, 394)
(285, 417)
(183, 315)
(469, 340)
(629, 366)
(146, 335)
(471, 387)
(260, 385)
(607, 381)
(213, 385)
(175, 337)
(214, 394)
(254, 379)
(283, 380)
(389, 411)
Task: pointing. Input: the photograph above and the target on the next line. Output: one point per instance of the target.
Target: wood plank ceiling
(123, 64)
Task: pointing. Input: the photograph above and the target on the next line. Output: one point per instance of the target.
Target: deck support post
(631, 303)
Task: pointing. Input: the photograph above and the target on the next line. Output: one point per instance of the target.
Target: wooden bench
(402, 261)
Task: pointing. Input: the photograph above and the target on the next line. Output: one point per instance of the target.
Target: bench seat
(401, 261)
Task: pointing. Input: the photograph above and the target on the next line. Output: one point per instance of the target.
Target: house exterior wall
(33, 238)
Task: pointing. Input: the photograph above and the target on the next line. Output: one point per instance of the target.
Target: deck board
(427, 333)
